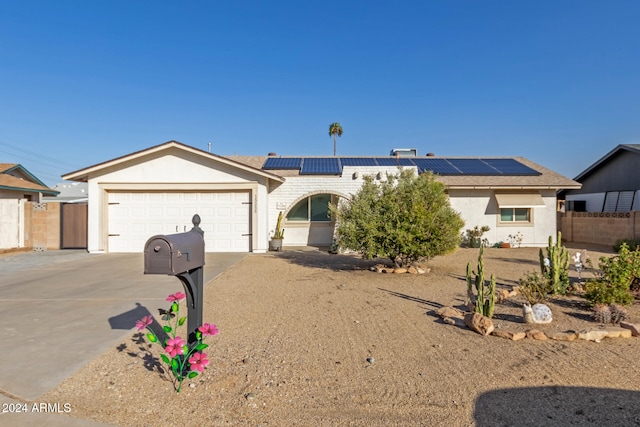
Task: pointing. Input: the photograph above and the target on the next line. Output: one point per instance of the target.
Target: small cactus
(279, 232)
(618, 313)
(601, 313)
(484, 300)
(612, 313)
(555, 266)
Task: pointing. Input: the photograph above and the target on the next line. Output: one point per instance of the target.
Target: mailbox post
(181, 255)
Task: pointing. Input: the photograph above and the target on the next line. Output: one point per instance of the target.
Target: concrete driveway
(60, 309)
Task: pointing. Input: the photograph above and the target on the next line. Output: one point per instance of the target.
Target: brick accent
(601, 228)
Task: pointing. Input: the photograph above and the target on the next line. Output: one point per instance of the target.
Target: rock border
(484, 326)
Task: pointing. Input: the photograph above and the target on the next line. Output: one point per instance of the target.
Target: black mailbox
(181, 255)
(173, 253)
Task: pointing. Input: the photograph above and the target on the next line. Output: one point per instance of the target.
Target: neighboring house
(611, 184)
(17, 186)
(69, 192)
(158, 190)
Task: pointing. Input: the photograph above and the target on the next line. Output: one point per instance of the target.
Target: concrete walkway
(61, 309)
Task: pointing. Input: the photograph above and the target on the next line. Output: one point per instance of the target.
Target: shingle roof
(546, 178)
(14, 183)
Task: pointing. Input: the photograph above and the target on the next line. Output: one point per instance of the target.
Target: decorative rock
(478, 323)
(617, 332)
(517, 336)
(421, 270)
(412, 270)
(502, 295)
(539, 313)
(563, 336)
(633, 327)
(400, 270)
(593, 335)
(536, 334)
(513, 336)
(514, 291)
(449, 320)
(449, 312)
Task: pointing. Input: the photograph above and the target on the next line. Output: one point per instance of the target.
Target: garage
(133, 217)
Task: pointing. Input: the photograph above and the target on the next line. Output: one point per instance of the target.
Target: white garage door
(134, 217)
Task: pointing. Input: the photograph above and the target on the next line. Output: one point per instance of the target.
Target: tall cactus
(555, 266)
(484, 300)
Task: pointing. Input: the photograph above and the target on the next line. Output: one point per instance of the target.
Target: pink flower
(198, 361)
(144, 322)
(208, 329)
(176, 297)
(175, 346)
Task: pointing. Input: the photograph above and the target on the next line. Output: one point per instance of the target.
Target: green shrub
(631, 243)
(614, 281)
(534, 288)
(404, 218)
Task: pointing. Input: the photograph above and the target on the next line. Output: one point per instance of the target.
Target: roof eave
(30, 190)
(82, 175)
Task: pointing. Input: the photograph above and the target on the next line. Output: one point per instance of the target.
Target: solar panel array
(438, 165)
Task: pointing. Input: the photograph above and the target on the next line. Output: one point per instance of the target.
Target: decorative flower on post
(184, 360)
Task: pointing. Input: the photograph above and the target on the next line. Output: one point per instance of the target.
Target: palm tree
(335, 130)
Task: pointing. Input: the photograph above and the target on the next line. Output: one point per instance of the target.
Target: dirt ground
(313, 339)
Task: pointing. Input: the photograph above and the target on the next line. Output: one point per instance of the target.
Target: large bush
(404, 218)
(619, 275)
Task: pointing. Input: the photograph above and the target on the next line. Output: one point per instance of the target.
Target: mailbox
(173, 253)
(181, 255)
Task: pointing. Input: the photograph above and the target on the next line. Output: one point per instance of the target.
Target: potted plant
(275, 244)
(474, 235)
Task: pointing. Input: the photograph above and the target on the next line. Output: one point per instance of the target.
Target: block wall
(601, 228)
(42, 226)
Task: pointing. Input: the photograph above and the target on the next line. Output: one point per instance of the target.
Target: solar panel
(511, 167)
(473, 167)
(282, 163)
(439, 166)
(320, 166)
(392, 161)
(358, 161)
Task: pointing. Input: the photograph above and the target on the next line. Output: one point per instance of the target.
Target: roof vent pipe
(431, 154)
(272, 154)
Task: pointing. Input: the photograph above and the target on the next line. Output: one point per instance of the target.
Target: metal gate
(73, 226)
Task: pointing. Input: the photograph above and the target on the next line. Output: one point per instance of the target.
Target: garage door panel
(134, 217)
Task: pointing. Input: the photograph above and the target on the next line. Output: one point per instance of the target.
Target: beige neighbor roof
(547, 179)
(15, 183)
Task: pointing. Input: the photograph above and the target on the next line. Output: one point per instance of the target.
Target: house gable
(16, 181)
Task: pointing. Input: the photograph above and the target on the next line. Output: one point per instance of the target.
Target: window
(515, 215)
(314, 209)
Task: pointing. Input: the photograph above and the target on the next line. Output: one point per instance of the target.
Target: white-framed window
(515, 215)
(312, 209)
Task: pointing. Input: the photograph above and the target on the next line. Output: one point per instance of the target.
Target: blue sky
(82, 82)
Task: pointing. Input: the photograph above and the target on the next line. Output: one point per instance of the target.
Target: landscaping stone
(400, 270)
(563, 336)
(412, 270)
(593, 335)
(617, 332)
(536, 334)
(449, 312)
(513, 336)
(633, 327)
(479, 323)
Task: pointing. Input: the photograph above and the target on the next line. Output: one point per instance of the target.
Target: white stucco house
(159, 189)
